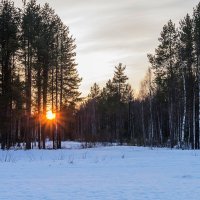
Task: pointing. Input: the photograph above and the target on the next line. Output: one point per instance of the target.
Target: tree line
(103, 116)
(38, 72)
(166, 111)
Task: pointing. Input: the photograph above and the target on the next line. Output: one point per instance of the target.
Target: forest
(166, 112)
(38, 73)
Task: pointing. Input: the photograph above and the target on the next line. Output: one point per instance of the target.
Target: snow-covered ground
(102, 173)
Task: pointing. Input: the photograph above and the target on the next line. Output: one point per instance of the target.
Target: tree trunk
(194, 123)
(143, 126)
(184, 111)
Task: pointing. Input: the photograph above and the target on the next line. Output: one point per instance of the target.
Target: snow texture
(103, 173)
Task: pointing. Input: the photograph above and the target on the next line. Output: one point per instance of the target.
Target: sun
(50, 115)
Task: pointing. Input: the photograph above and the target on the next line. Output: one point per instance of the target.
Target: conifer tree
(9, 44)
(164, 63)
(187, 70)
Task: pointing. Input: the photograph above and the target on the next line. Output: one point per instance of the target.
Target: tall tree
(164, 63)
(196, 17)
(30, 28)
(187, 71)
(9, 44)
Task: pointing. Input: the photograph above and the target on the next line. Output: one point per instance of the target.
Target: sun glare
(50, 115)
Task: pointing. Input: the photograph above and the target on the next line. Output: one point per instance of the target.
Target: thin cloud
(108, 32)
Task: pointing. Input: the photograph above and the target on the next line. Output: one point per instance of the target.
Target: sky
(116, 31)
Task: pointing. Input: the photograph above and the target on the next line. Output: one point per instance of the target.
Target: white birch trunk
(184, 111)
(170, 123)
(198, 75)
(199, 96)
(194, 130)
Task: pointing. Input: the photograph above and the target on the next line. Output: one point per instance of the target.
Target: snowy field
(102, 173)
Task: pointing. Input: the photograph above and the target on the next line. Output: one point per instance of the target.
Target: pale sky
(111, 31)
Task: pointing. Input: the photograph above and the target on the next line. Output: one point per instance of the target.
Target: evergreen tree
(187, 71)
(94, 91)
(30, 27)
(164, 64)
(108, 113)
(119, 80)
(9, 44)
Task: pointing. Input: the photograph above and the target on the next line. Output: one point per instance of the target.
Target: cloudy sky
(109, 32)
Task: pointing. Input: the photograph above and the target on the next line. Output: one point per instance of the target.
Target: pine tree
(30, 27)
(164, 64)
(94, 91)
(119, 80)
(9, 44)
(186, 69)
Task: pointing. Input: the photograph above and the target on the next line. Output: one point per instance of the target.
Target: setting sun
(50, 115)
